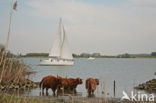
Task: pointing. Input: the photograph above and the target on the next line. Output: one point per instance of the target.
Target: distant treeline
(83, 55)
(36, 55)
(153, 54)
(96, 55)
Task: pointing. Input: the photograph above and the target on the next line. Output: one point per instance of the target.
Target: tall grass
(12, 78)
(12, 71)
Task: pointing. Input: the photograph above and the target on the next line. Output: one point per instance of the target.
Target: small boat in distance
(91, 58)
(60, 53)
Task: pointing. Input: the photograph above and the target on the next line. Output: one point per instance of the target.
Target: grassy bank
(12, 74)
(12, 78)
(12, 99)
(4, 98)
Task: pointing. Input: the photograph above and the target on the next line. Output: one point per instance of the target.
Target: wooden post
(114, 88)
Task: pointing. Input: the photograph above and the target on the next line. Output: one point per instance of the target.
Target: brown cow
(73, 83)
(49, 82)
(69, 84)
(63, 82)
(91, 85)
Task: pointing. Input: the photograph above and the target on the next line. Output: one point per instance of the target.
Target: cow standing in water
(69, 84)
(49, 82)
(91, 85)
(73, 83)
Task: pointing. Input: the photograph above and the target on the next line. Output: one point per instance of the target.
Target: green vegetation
(96, 55)
(82, 55)
(126, 55)
(36, 55)
(87, 55)
(153, 54)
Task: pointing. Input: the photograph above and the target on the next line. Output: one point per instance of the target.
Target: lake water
(126, 72)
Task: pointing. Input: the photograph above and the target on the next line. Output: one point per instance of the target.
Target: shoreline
(149, 86)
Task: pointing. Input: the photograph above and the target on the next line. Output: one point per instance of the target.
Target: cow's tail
(40, 85)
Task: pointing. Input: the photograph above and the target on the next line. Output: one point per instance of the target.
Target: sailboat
(91, 58)
(60, 53)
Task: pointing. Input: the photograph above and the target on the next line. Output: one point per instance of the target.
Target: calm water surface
(126, 72)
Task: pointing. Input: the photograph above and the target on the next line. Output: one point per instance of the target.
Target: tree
(126, 55)
(96, 54)
(153, 54)
(85, 55)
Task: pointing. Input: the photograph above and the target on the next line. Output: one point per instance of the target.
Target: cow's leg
(42, 90)
(72, 90)
(54, 89)
(58, 90)
(69, 90)
(63, 90)
(89, 92)
(75, 91)
(47, 91)
(92, 91)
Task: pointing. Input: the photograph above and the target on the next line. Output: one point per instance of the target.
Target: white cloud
(100, 28)
(72, 11)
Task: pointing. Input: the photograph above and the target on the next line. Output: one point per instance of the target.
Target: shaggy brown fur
(69, 84)
(91, 85)
(49, 82)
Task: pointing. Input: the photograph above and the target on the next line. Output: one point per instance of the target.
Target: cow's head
(97, 81)
(79, 80)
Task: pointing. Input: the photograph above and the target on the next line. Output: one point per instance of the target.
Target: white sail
(60, 53)
(65, 51)
(56, 47)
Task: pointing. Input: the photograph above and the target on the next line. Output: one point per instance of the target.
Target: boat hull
(56, 62)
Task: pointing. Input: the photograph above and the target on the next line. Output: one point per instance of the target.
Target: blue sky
(110, 27)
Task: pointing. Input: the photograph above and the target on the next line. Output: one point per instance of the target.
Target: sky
(110, 27)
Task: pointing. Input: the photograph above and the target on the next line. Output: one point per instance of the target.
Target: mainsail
(65, 51)
(56, 47)
(60, 48)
